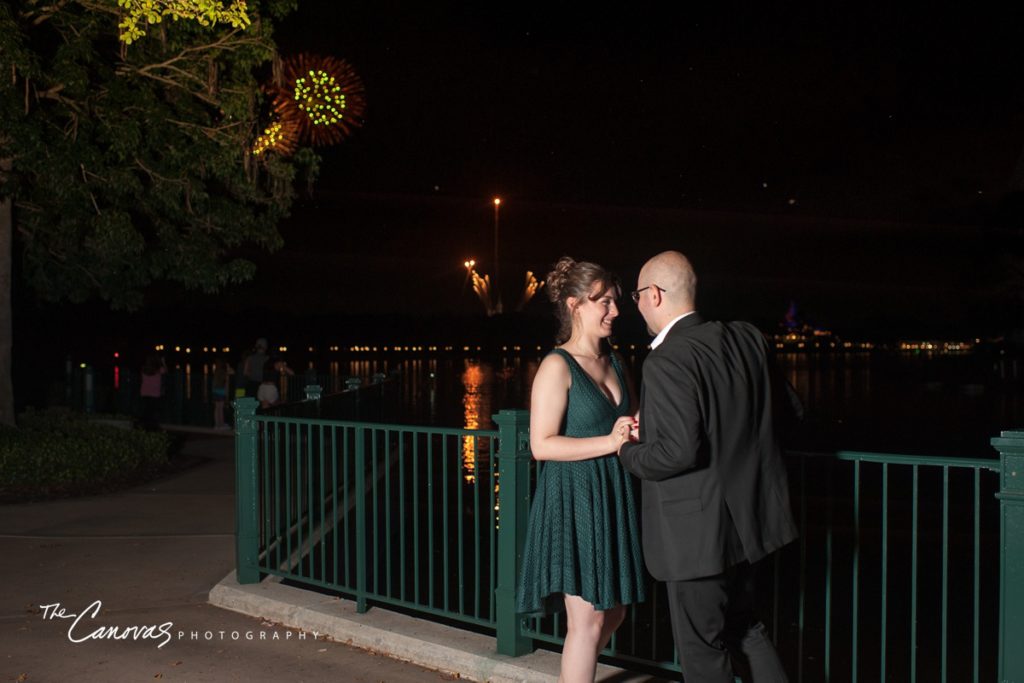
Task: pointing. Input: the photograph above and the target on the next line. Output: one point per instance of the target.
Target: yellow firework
(279, 136)
(324, 95)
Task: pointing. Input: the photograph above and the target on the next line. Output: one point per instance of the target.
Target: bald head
(672, 272)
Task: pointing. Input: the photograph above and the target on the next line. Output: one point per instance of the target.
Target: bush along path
(58, 453)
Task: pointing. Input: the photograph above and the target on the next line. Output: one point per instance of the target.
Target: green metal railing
(899, 573)
(887, 544)
(396, 515)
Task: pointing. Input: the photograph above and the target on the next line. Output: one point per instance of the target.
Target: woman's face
(596, 313)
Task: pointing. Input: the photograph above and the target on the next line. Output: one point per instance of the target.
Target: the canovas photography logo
(82, 628)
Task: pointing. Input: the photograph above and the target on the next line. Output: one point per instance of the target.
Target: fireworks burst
(482, 289)
(281, 136)
(529, 289)
(324, 95)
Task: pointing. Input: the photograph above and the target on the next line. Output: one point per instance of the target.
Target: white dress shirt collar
(664, 331)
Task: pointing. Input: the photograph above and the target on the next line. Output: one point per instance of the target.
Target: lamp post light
(494, 284)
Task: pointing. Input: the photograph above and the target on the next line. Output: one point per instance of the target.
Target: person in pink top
(151, 390)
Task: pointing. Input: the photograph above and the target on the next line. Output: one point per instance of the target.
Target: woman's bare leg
(588, 632)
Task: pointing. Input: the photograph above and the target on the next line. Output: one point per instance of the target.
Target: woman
(151, 390)
(222, 372)
(582, 543)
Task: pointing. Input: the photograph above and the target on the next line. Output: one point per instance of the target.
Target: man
(252, 369)
(715, 495)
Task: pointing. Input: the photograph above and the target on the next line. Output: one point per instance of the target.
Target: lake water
(877, 401)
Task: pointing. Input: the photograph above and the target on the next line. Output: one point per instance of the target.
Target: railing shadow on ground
(898, 573)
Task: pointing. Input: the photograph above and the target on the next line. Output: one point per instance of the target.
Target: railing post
(177, 377)
(514, 477)
(69, 382)
(247, 508)
(90, 388)
(362, 535)
(313, 392)
(1010, 445)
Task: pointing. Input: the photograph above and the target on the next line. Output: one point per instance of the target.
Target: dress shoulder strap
(569, 360)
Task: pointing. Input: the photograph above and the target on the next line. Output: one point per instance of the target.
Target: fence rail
(899, 573)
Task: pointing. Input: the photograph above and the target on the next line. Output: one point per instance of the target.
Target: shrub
(57, 453)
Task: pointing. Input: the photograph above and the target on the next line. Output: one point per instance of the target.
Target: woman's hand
(620, 432)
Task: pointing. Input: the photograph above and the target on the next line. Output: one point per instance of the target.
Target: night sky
(864, 162)
(854, 112)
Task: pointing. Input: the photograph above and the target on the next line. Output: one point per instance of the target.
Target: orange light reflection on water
(475, 405)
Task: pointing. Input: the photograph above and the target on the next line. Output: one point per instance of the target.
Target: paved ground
(142, 568)
(151, 555)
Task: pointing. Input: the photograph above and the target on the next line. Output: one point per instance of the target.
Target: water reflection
(477, 379)
(856, 400)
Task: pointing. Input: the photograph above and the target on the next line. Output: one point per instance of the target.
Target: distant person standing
(222, 372)
(268, 393)
(151, 390)
(253, 367)
(715, 493)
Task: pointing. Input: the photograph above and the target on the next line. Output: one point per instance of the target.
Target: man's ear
(656, 297)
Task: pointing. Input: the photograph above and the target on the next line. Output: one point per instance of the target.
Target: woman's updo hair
(575, 279)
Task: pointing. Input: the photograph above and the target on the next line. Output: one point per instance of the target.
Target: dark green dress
(582, 537)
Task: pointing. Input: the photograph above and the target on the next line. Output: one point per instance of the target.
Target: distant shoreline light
(789, 341)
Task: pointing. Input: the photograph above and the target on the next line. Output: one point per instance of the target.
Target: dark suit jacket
(714, 485)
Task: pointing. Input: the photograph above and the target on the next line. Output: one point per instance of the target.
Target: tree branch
(227, 42)
(153, 175)
(85, 180)
(175, 84)
(212, 133)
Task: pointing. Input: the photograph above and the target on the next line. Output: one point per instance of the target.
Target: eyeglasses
(636, 293)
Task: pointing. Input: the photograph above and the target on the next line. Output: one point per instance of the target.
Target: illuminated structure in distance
(497, 295)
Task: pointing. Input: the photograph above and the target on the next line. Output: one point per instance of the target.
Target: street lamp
(497, 295)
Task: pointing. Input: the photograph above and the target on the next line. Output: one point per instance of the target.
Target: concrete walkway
(158, 558)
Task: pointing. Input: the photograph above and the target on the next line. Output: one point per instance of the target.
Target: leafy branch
(140, 13)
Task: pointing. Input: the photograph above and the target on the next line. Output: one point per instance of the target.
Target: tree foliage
(131, 164)
(138, 13)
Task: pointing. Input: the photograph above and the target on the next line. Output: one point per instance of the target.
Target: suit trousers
(716, 633)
